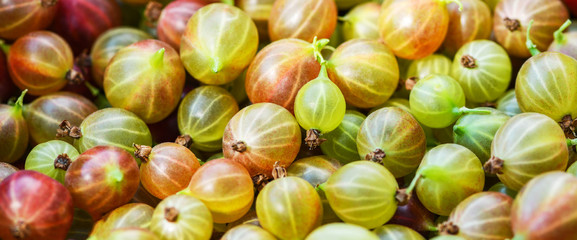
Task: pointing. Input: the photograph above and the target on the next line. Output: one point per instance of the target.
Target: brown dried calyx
(62, 162)
(512, 24)
(376, 156)
(489, 104)
(448, 228)
(152, 12)
(171, 214)
(494, 165)
(278, 171)
(239, 146)
(407, 84)
(468, 61)
(74, 77)
(65, 129)
(402, 197)
(20, 230)
(313, 139)
(142, 152)
(48, 3)
(184, 140)
(260, 180)
(568, 124)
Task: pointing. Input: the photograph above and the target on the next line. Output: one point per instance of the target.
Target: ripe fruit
(51, 158)
(132, 233)
(131, 215)
(393, 231)
(145, 78)
(261, 134)
(421, 68)
(361, 22)
(247, 231)
(101, 179)
(341, 143)
(392, 137)
(470, 23)
(22, 17)
(415, 216)
(525, 146)
(166, 168)
(259, 11)
(564, 42)
(508, 104)
(34, 206)
(172, 20)
(218, 44)
(6, 170)
(181, 217)
(302, 19)
(14, 131)
(341, 231)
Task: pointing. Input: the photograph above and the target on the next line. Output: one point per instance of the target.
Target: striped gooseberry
(51, 158)
(14, 131)
(204, 113)
(564, 42)
(101, 179)
(219, 42)
(483, 69)
(366, 184)
(6, 170)
(126, 216)
(45, 113)
(319, 105)
(285, 199)
(181, 217)
(341, 143)
(247, 231)
(108, 44)
(421, 68)
(276, 76)
(225, 187)
(173, 18)
(34, 206)
(394, 231)
(41, 62)
(19, 18)
(365, 70)
(470, 23)
(508, 104)
(166, 168)
(261, 134)
(109, 126)
(341, 231)
(511, 20)
(484, 215)
(423, 29)
(302, 19)
(80, 22)
(361, 22)
(145, 78)
(448, 174)
(437, 101)
(259, 11)
(476, 131)
(525, 146)
(392, 137)
(545, 208)
(132, 233)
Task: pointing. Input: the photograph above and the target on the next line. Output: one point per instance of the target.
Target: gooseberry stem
(464, 110)
(17, 109)
(413, 184)
(5, 47)
(572, 142)
(458, 2)
(458, 130)
(559, 37)
(530, 45)
(229, 2)
(321, 187)
(157, 59)
(343, 19)
(318, 46)
(93, 90)
(115, 176)
(185, 191)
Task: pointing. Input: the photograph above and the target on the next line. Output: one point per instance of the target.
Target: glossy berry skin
(114, 127)
(80, 22)
(130, 215)
(21, 17)
(415, 216)
(14, 132)
(268, 133)
(145, 78)
(484, 215)
(6, 170)
(108, 44)
(425, 24)
(544, 209)
(45, 113)
(483, 69)
(362, 183)
(181, 217)
(168, 170)
(396, 133)
(247, 231)
(508, 104)
(341, 143)
(302, 19)
(365, 70)
(282, 201)
(47, 159)
(173, 18)
(449, 173)
(219, 42)
(259, 11)
(546, 83)
(521, 142)
(361, 22)
(225, 187)
(567, 45)
(341, 231)
(102, 179)
(471, 23)
(132, 233)
(432, 64)
(393, 231)
(512, 18)
(34, 206)
(40, 61)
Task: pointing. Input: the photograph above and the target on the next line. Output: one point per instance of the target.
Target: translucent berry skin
(42, 158)
(471, 23)
(39, 62)
(219, 42)
(127, 216)
(20, 17)
(302, 19)
(132, 233)
(393, 231)
(173, 18)
(341, 231)
(192, 222)
(567, 46)
(508, 103)
(14, 132)
(361, 22)
(247, 231)
(341, 143)
(145, 78)
(259, 11)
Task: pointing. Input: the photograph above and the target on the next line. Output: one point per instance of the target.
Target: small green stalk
(5, 47)
(559, 36)
(465, 110)
(185, 191)
(458, 2)
(343, 19)
(321, 187)
(318, 47)
(229, 2)
(413, 184)
(115, 176)
(17, 108)
(530, 45)
(216, 65)
(572, 142)
(459, 130)
(93, 90)
(157, 60)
